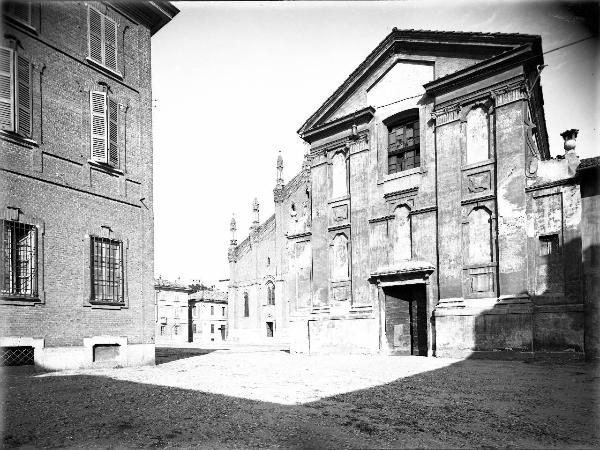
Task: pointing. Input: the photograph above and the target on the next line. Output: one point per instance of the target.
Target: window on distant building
(194, 328)
(106, 270)
(223, 311)
(102, 39)
(194, 311)
(270, 293)
(246, 305)
(15, 93)
(404, 145)
(104, 128)
(162, 330)
(175, 329)
(19, 259)
(212, 310)
(212, 328)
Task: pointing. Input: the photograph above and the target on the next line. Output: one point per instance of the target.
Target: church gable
(404, 61)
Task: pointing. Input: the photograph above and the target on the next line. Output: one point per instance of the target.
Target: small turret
(255, 210)
(233, 229)
(279, 169)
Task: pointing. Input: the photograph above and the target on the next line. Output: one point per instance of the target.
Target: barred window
(403, 147)
(107, 270)
(19, 258)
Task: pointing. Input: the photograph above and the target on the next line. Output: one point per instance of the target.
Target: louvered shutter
(4, 257)
(22, 11)
(98, 126)
(110, 43)
(95, 35)
(6, 89)
(24, 96)
(113, 132)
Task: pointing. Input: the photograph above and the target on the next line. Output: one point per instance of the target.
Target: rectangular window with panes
(403, 147)
(104, 128)
(15, 93)
(106, 270)
(19, 259)
(102, 39)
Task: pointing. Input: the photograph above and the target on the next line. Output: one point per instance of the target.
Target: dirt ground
(237, 399)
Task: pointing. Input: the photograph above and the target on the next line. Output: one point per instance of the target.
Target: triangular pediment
(402, 63)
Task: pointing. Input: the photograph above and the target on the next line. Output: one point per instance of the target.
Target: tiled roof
(589, 162)
(166, 284)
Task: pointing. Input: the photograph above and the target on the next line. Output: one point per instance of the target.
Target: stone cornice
(362, 116)
(551, 184)
(153, 14)
(485, 68)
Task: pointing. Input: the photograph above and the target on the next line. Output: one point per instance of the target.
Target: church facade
(428, 217)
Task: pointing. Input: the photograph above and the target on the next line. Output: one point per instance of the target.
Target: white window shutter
(24, 96)
(95, 38)
(98, 126)
(110, 43)
(6, 89)
(113, 132)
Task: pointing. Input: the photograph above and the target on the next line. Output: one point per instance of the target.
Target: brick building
(428, 217)
(208, 316)
(76, 159)
(171, 303)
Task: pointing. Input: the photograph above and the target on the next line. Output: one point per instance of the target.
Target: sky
(233, 82)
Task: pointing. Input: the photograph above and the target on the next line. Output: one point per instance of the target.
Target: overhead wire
(527, 59)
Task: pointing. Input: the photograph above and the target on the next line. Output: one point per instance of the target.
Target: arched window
(479, 236)
(270, 293)
(404, 145)
(339, 179)
(402, 238)
(477, 136)
(246, 305)
(340, 258)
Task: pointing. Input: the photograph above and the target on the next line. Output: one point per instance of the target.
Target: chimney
(570, 137)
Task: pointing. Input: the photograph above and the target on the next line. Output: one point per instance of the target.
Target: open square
(242, 398)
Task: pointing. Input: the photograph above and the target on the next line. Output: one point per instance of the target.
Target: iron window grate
(19, 259)
(16, 356)
(107, 270)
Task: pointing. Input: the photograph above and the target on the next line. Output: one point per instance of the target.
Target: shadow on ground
(471, 403)
(168, 354)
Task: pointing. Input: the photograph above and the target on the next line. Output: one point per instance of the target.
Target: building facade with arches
(428, 217)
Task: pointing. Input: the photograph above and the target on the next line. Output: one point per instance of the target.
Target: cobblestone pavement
(237, 399)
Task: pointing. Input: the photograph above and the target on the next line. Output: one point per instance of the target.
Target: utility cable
(527, 59)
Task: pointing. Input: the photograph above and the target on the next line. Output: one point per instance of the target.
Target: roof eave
(335, 126)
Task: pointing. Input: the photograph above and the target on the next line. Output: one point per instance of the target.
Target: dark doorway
(406, 319)
(269, 329)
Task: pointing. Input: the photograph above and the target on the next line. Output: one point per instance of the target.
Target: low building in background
(208, 316)
(171, 312)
